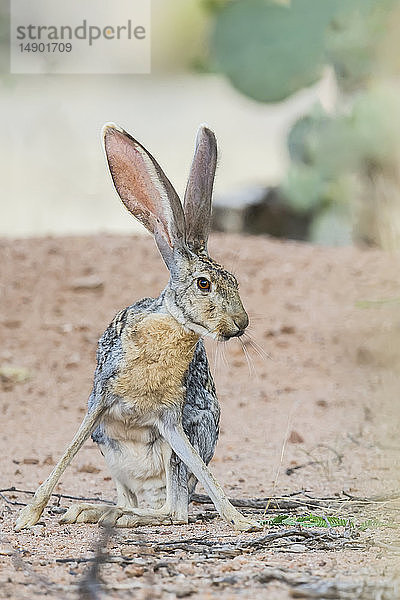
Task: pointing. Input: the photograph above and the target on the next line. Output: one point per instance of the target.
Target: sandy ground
(326, 395)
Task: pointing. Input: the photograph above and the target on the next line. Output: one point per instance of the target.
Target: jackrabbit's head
(200, 294)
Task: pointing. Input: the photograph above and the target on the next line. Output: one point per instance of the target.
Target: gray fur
(187, 260)
(201, 410)
(157, 450)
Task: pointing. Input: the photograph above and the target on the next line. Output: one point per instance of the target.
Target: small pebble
(133, 571)
(298, 548)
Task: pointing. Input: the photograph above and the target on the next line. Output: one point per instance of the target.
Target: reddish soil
(327, 398)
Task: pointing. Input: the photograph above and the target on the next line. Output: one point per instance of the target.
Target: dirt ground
(321, 394)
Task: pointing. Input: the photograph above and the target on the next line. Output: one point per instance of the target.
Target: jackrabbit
(153, 410)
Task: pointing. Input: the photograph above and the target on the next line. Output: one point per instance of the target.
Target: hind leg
(173, 511)
(122, 515)
(85, 512)
(172, 476)
(126, 498)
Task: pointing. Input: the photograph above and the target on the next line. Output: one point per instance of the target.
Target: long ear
(197, 204)
(145, 190)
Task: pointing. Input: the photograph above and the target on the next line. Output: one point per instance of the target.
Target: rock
(298, 548)
(133, 571)
(73, 361)
(288, 329)
(88, 468)
(12, 323)
(184, 592)
(30, 461)
(224, 581)
(90, 282)
(270, 574)
(10, 376)
(295, 437)
(187, 569)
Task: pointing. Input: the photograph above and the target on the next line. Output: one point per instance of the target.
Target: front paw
(28, 516)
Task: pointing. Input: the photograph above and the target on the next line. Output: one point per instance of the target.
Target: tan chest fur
(157, 353)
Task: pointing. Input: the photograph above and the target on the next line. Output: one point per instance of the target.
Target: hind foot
(128, 519)
(85, 512)
(114, 516)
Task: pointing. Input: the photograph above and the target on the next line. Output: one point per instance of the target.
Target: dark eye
(203, 284)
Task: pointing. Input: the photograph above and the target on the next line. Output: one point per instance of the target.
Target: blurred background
(303, 97)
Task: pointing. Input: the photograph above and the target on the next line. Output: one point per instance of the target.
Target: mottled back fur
(153, 409)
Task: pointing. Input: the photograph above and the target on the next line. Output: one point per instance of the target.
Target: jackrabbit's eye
(203, 284)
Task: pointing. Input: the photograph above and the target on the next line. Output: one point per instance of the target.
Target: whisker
(223, 353)
(193, 347)
(210, 333)
(215, 350)
(250, 363)
(255, 317)
(259, 350)
(256, 347)
(204, 335)
(217, 357)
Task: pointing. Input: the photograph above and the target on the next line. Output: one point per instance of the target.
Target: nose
(241, 321)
